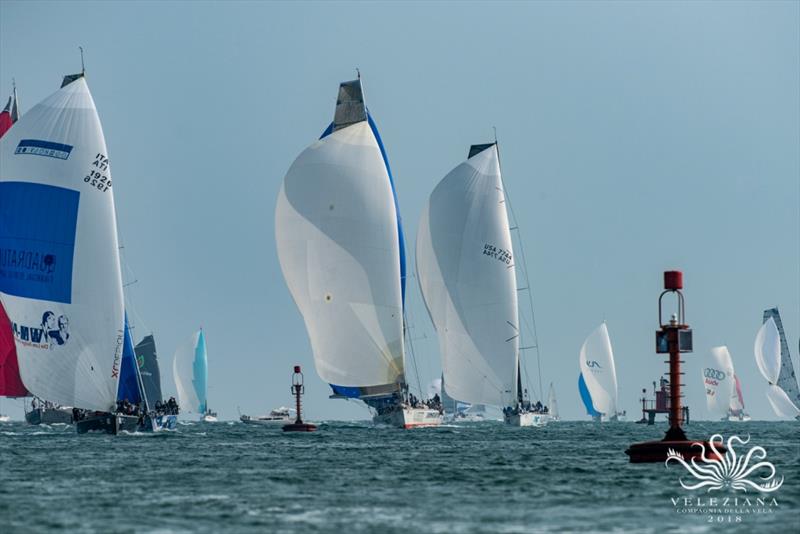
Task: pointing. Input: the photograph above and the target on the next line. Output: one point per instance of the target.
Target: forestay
(190, 370)
(599, 372)
(465, 268)
(60, 279)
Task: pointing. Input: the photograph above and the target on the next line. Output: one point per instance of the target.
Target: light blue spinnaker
(190, 370)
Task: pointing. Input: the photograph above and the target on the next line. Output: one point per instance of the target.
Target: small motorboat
(209, 417)
(276, 417)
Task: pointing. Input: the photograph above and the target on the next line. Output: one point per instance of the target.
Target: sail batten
(464, 267)
(57, 210)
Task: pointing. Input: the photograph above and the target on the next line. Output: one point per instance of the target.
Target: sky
(635, 137)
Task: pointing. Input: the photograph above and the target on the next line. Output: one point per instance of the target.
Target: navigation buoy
(297, 390)
(673, 338)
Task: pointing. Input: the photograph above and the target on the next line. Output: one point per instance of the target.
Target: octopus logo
(731, 471)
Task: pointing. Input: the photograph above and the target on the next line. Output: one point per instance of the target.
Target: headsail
(147, 360)
(466, 274)
(598, 370)
(60, 278)
(718, 381)
(128, 379)
(190, 370)
(338, 240)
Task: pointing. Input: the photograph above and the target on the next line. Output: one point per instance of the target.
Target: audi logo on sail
(713, 373)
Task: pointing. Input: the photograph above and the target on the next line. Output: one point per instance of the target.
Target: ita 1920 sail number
(97, 177)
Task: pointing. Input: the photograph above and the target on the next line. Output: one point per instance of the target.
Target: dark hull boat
(108, 423)
(49, 416)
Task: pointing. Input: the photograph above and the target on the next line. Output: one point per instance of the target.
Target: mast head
(350, 106)
(477, 149)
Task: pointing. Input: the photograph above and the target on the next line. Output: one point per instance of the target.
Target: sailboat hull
(526, 419)
(49, 416)
(108, 423)
(409, 418)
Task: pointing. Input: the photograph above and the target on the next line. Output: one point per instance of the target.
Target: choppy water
(353, 477)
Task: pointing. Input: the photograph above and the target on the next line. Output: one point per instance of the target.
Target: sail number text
(96, 176)
(497, 253)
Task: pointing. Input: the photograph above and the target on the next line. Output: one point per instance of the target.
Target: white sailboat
(768, 358)
(340, 247)
(723, 392)
(190, 371)
(552, 404)
(596, 362)
(60, 279)
(465, 268)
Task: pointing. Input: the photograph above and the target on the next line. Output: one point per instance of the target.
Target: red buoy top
(296, 368)
(673, 280)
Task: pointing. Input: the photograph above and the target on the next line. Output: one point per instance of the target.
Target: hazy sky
(635, 137)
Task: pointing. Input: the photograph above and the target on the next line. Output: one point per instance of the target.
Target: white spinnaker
(552, 404)
(599, 372)
(183, 373)
(337, 239)
(781, 404)
(718, 380)
(465, 269)
(82, 370)
(768, 351)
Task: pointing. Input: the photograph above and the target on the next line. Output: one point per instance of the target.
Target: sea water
(355, 477)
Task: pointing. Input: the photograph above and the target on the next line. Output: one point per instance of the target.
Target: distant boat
(455, 410)
(65, 300)
(465, 267)
(10, 113)
(770, 349)
(552, 403)
(599, 375)
(190, 370)
(341, 249)
(276, 417)
(723, 390)
(158, 417)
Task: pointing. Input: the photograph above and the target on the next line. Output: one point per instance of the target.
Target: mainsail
(10, 382)
(466, 274)
(718, 379)
(10, 113)
(339, 244)
(737, 399)
(147, 360)
(60, 278)
(787, 380)
(597, 368)
(190, 370)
